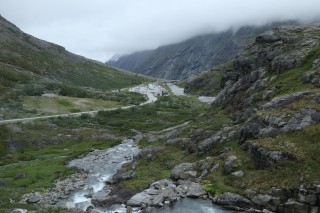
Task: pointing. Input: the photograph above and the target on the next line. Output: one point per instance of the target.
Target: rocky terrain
(271, 92)
(179, 61)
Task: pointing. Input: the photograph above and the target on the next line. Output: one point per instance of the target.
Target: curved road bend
(144, 91)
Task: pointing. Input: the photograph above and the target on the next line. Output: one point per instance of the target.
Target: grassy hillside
(32, 67)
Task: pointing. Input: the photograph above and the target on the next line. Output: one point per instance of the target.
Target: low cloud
(100, 28)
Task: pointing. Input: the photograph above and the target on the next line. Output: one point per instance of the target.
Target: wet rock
(139, 199)
(85, 206)
(229, 199)
(183, 171)
(129, 209)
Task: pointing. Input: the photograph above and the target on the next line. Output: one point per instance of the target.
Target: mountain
(179, 61)
(30, 66)
(271, 93)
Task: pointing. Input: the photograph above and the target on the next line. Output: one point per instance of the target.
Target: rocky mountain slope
(179, 61)
(271, 93)
(30, 66)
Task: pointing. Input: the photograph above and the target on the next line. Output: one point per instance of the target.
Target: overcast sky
(98, 29)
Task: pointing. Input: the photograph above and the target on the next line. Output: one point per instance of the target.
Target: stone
(250, 193)
(237, 174)
(34, 198)
(208, 143)
(161, 184)
(139, 199)
(285, 100)
(293, 206)
(306, 196)
(182, 171)
(129, 209)
(232, 199)
(158, 199)
(124, 176)
(170, 135)
(230, 164)
(19, 211)
(262, 200)
(193, 190)
(85, 205)
(20, 175)
(316, 63)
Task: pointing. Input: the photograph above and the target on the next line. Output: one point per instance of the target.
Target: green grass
(41, 166)
(292, 80)
(166, 112)
(63, 104)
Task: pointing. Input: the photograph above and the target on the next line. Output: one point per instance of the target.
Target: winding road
(145, 90)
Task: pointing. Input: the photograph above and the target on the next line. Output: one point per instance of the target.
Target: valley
(77, 135)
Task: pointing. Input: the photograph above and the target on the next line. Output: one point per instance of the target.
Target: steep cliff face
(179, 61)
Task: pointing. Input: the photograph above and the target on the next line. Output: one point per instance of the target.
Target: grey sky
(100, 28)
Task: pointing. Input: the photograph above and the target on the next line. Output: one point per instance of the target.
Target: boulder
(228, 199)
(161, 184)
(139, 199)
(34, 198)
(192, 189)
(183, 171)
(208, 143)
(230, 164)
(124, 176)
(85, 205)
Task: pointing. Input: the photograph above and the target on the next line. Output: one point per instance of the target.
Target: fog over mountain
(99, 29)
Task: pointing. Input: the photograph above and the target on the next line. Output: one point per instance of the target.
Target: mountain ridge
(181, 60)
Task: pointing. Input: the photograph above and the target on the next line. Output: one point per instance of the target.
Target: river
(103, 164)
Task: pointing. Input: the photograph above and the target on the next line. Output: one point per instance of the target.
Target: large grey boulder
(192, 189)
(139, 199)
(183, 171)
(229, 199)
